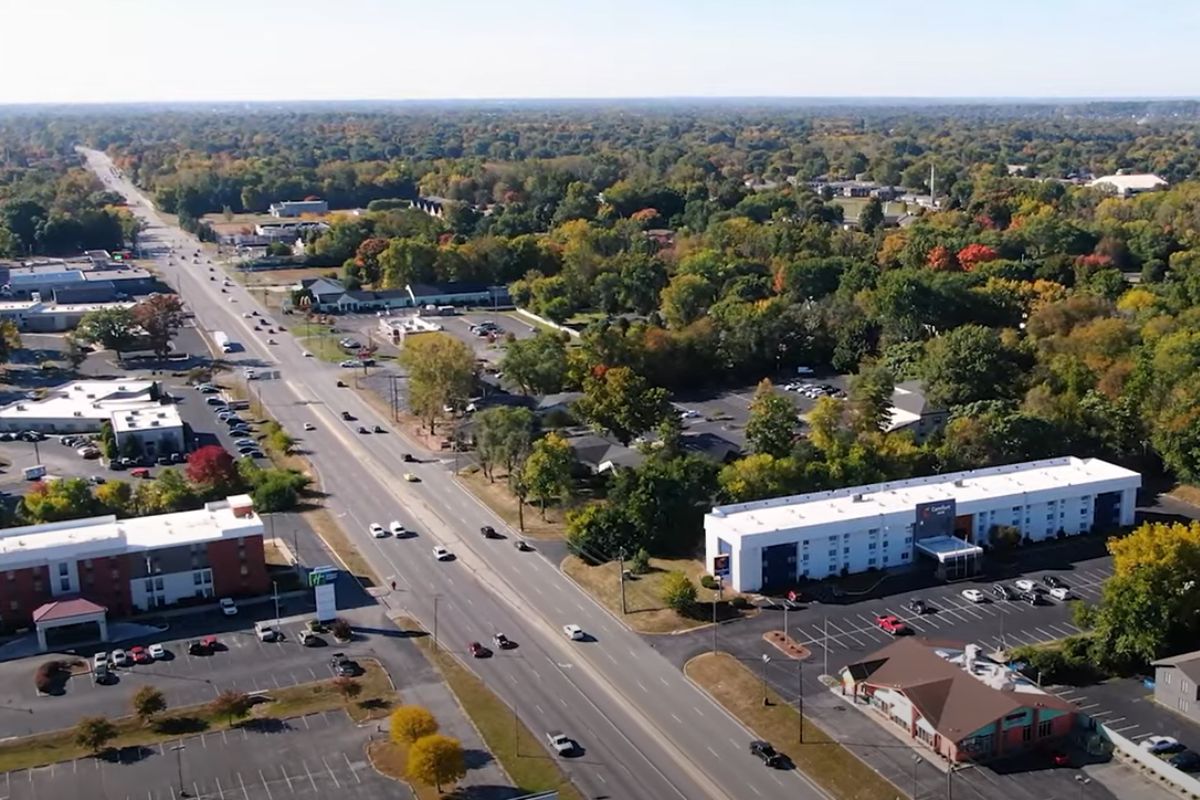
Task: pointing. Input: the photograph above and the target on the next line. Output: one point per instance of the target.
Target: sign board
(326, 597)
(935, 519)
(721, 566)
(319, 576)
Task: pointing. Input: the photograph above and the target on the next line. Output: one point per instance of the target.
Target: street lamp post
(1082, 781)
(916, 760)
(435, 627)
(275, 593)
(800, 698)
(766, 659)
(178, 749)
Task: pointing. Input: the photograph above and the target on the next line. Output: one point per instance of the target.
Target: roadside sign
(721, 566)
(791, 595)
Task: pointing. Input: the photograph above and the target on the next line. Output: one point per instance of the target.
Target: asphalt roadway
(643, 729)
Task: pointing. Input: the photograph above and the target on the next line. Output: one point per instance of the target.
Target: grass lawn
(519, 751)
(391, 759)
(501, 501)
(1186, 494)
(646, 612)
(853, 206)
(324, 347)
(833, 767)
(306, 698)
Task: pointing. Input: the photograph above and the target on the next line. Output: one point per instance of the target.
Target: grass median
(518, 750)
(830, 765)
(375, 699)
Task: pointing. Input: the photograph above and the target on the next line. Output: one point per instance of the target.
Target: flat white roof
(144, 419)
(84, 400)
(105, 536)
(874, 500)
(1130, 182)
(942, 547)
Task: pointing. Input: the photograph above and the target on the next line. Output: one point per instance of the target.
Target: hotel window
(885, 544)
(1044, 728)
(245, 570)
(846, 551)
(64, 584)
(870, 562)
(1027, 733)
(62, 569)
(12, 576)
(904, 556)
(37, 584)
(87, 563)
(116, 574)
(870, 545)
(833, 553)
(806, 556)
(158, 584)
(149, 585)
(196, 578)
(908, 540)
(873, 532)
(1016, 509)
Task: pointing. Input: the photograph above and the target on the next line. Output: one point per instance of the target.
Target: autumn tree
(685, 299)
(678, 592)
(148, 701)
(547, 470)
(231, 704)
(757, 477)
(772, 423)
(160, 316)
(93, 733)
(441, 373)
(213, 469)
(407, 724)
(436, 759)
(620, 401)
(974, 254)
(10, 340)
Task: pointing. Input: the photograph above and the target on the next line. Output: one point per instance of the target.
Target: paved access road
(645, 731)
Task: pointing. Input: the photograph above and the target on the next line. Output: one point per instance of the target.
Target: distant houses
(298, 208)
(329, 295)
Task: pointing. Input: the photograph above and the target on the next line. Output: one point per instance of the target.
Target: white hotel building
(776, 542)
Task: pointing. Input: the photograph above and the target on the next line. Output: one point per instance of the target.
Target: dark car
(522, 545)
(344, 667)
(917, 606)
(1188, 761)
(378, 429)
(489, 532)
(361, 429)
(196, 648)
(478, 650)
(178, 458)
(346, 415)
(766, 752)
(1055, 582)
(408, 458)
(1004, 591)
(1033, 598)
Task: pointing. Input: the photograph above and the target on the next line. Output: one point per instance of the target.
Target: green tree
(436, 759)
(108, 440)
(503, 437)
(871, 398)
(871, 216)
(114, 497)
(771, 427)
(407, 724)
(10, 340)
(599, 532)
(757, 477)
(678, 592)
(538, 364)
(621, 402)
(547, 470)
(160, 316)
(441, 373)
(969, 363)
(231, 705)
(665, 499)
(686, 299)
(93, 733)
(173, 493)
(148, 701)
(111, 328)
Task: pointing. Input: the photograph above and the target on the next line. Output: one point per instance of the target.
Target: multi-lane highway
(644, 730)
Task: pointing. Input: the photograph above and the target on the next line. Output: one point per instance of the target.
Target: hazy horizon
(393, 50)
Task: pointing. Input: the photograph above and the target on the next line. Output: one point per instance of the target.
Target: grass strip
(376, 698)
(520, 753)
(830, 765)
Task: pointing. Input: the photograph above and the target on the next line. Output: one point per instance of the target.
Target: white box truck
(223, 341)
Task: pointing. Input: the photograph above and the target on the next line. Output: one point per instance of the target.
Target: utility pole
(435, 606)
(179, 748)
(714, 610)
(825, 669)
(275, 592)
(621, 576)
(915, 761)
(800, 697)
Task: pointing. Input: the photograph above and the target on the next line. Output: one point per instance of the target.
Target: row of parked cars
(1176, 754)
(814, 390)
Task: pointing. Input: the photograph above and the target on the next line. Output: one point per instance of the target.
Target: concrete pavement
(645, 730)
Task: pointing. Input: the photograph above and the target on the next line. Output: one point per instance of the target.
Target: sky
(176, 50)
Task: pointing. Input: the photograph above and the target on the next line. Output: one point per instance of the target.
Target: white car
(99, 661)
(1060, 593)
(1026, 585)
(573, 632)
(561, 743)
(396, 528)
(377, 530)
(228, 607)
(307, 354)
(442, 554)
(308, 426)
(120, 658)
(1160, 744)
(974, 595)
(157, 652)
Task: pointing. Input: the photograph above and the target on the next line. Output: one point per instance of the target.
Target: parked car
(139, 655)
(1054, 582)
(377, 530)
(344, 667)
(228, 607)
(1060, 593)
(1004, 591)
(974, 595)
(120, 658)
(100, 661)
(917, 606)
(1027, 585)
(442, 554)
(1188, 761)
(767, 753)
(573, 632)
(1161, 745)
(157, 652)
(1033, 598)
(890, 623)
(310, 639)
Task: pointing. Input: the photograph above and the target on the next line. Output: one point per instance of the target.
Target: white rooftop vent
(960, 483)
(857, 498)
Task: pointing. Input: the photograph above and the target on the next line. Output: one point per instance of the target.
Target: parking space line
(350, 767)
(337, 784)
(220, 791)
(1058, 627)
(1089, 705)
(310, 777)
(245, 794)
(844, 633)
(1049, 636)
(263, 778)
(286, 778)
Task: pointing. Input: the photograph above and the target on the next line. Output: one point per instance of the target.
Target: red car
(479, 651)
(892, 624)
(140, 655)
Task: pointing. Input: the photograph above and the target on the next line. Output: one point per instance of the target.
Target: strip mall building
(104, 565)
(945, 518)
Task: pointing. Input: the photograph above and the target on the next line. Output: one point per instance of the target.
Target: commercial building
(1177, 684)
(945, 518)
(36, 316)
(44, 278)
(297, 208)
(133, 407)
(331, 295)
(949, 698)
(74, 573)
(911, 411)
(1128, 184)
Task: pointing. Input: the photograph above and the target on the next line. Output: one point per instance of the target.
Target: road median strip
(834, 768)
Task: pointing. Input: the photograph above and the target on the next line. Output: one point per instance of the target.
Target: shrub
(709, 582)
(341, 630)
(50, 675)
(409, 723)
(678, 592)
(640, 564)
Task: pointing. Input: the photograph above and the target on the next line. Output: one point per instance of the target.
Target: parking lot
(319, 754)
(241, 663)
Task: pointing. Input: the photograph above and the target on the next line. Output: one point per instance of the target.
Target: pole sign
(319, 576)
(326, 597)
(935, 519)
(721, 566)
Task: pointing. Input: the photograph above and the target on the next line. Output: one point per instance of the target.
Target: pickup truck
(560, 742)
